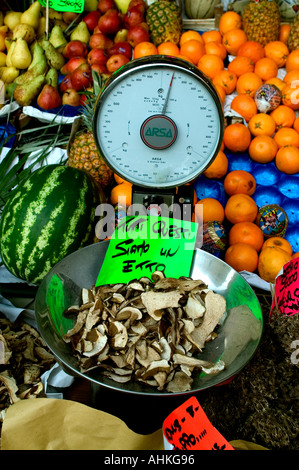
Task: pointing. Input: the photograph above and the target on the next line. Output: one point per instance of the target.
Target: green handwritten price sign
(143, 244)
(286, 291)
(188, 428)
(75, 6)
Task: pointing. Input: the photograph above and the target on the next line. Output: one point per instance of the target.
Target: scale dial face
(158, 122)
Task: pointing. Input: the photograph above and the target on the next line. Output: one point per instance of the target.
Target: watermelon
(47, 217)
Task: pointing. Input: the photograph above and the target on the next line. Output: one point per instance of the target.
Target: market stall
(149, 221)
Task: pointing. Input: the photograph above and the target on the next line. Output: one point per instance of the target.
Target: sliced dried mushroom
(148, 330)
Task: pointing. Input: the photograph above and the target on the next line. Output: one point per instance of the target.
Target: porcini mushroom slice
(97, 345)
(155, 367)
(215, 309)
(156, 302)
(180, 383)
(195, 307)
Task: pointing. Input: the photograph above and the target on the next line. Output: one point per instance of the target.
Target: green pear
(32, 15)
(122, 5)
(90, 5)
(25, 31)
(25, 93)
(80, 33)
(10, 45)
(21, 57)
(52, 78)
(9, 89)
(37, 67)
(12, 18)
(55, 58)
(57, 38)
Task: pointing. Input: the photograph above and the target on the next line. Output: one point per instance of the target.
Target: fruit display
(50, 215)
(251, 58)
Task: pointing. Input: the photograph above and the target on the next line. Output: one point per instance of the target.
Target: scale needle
(167, 96)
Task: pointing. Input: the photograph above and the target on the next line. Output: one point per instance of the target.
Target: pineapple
(83, 153)
(261, 21)
(293, 38)
(164, 20)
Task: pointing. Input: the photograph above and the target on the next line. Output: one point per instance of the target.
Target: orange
(229, 20)
(286, 136)
(278, 51)
(213, 35)
(248, 83)
(233, 39)
(244, 105)
(263, 149)
(252, 49)
(292, 62)
(168, 48)
(284, 116)
(246, 232)
(121, 194)
(143, 49)
(278, 82)
(240, 208)
(216, 48)
(221, 92)
(218, 167)
(210, 65)
(292, 77)
(193, 49)
(242, 257)
(236, 137)
(296, 124)
(240, 65)
(290, 95)
(271, 260)
(266, 68)
(190, 34)
(118, 179)
(239, 182)
(212, 209)
(262, 123)
(284, 32)
(278, 242)
(295, 255)
(226, 79)
(287, 160)
(184, 57)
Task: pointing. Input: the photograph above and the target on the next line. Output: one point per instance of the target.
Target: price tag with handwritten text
(286, 293)
(75, 6)
(188, 428)
(143, 244)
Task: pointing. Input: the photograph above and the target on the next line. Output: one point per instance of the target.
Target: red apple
(97, 56)
(137, 34)
(122, 47)
(99, 68)
(72, 64)
(104, 5)
(81, 77)
(100, 41)
(66, 83)
(110, 22)
(92, 19)
(75, 49)
(116, 61)
(133, 17)
(71, 97)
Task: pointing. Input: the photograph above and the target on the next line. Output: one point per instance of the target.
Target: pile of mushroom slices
(149, 330)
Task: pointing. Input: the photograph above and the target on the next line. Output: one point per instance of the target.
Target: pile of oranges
(238, 67)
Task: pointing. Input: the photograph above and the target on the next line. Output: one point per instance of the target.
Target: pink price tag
(286, 290)
(188, 428)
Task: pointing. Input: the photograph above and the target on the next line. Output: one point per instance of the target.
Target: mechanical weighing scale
(158, 123)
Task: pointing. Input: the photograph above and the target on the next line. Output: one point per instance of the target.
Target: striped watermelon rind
(47, 217)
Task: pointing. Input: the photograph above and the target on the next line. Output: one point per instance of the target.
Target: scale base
(177, 203)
